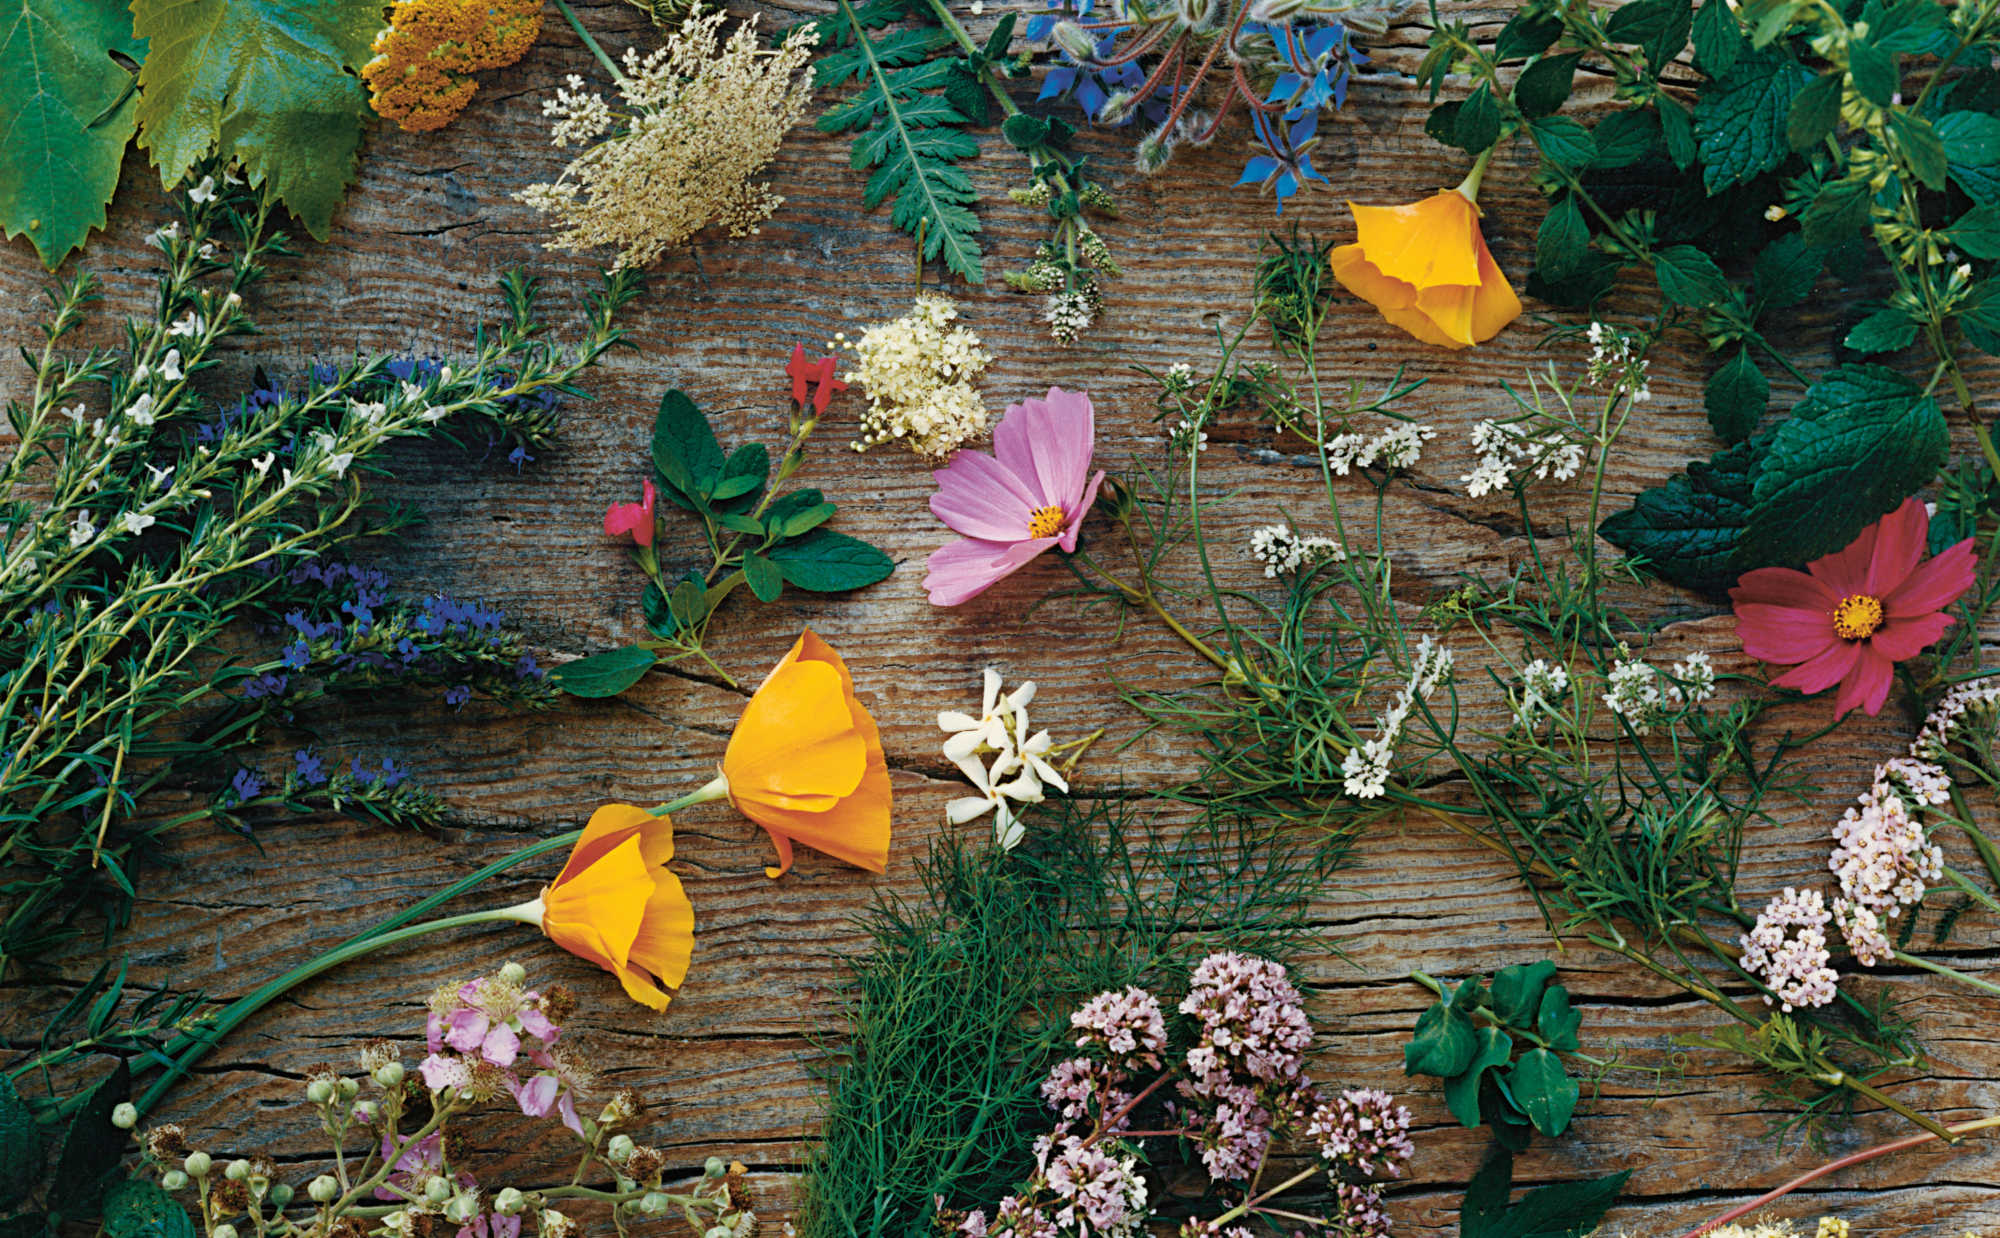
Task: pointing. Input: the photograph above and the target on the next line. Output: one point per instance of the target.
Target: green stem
(610, 65)
(1949, 973)
(1473, 179)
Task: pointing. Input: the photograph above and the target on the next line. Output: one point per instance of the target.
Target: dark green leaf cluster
(1564, 1210)
(1498, 1047)
(87, 1150)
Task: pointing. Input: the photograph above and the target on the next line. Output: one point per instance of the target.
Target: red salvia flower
(819, 373)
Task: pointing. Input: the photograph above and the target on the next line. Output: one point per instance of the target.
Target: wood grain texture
(418, 243)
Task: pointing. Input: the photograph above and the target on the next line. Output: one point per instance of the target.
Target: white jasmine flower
(138, 522)
(187, 324)
(81, 530)
(204, 192)
(991, 729)
(1019, 770)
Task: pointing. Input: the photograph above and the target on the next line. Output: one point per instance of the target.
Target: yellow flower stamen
(1045, 522)
(1857, 616)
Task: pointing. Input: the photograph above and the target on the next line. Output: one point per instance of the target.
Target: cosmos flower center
(1857, 616)
(1048, 521)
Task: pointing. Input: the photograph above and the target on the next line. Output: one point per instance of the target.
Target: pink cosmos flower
(1009, 507)
(633, 518)
(1852, 615)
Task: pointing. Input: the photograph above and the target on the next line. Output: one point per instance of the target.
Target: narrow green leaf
(604, 674)
(1718, 38)
(1527, 33)
(1624, 138)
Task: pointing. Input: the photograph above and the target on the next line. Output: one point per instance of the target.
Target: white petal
(963, 744)
(1039, 744)
(953, 720)
(1020, 696)
(965, 808)
(975, 773)
(1047, 773)
(1008, 830)
(991, 696)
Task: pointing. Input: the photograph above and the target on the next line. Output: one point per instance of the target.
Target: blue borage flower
(1289, 165)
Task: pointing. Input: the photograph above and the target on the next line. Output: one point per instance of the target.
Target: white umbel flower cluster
(1543, 684)
(1366, 766)
(1283, 549)
(1398, 447)
(1000, 757)
(1638, 693)
(1510, 449)
(917, 372)
(1615, 363)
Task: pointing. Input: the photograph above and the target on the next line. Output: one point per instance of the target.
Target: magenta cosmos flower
(1029, 495)
(1852, 615)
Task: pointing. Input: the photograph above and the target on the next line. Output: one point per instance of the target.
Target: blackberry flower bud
(436, 1189)
(197, 1164)
(225, 1230)
(173, 1180)
(281, 1194)
(237, 1170)
(714, 1168)
(389, 1075)
(125, 1116)
(508, 1202)
(319, 1091)
(323, 1189)
(514, 974)
(620, 1149)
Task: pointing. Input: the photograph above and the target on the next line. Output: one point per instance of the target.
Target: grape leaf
(66, 117)
(1740, 120)
(270, 81)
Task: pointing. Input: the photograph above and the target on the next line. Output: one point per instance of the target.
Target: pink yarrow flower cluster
(1883, 858)
(488, 1033)
(1787, 950)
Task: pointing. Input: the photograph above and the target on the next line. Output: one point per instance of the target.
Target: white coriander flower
(1366, 767)
(1542, 684)
(1632, 691)
(1282, 549)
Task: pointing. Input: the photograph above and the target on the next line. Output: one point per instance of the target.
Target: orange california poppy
(806, 762)
(1425, 266)
(615, 904)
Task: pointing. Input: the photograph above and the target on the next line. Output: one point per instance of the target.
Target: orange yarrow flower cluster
(1426, 268)
(421, 75)
(806, 763)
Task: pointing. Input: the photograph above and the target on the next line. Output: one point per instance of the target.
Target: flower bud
(173, 1180)
(347, 1088)
(281, 1194)
(319, 1091)
(197, 1164)
(621, 1148)
(719, 1231)
(508, 1202)
(1074, 40)
(389, 1075)
(125, 1116)
(323, 1189)
(224, 1230)
(237, 1170)
(555, 1224)
(366, 1111)
(714, 1168)
(461, 1209)
(514, 974)
(437, 1190)
(655, 1205)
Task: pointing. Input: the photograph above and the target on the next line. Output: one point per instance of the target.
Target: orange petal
(1449, 309)
(595, 913)
(857, 831)
(1392, 298)
(796, 745)
(1422, 243)
(664, 945)
(1496, 305)
(608, 826)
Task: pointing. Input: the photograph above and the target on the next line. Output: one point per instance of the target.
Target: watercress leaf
(1624, 138)
(1563, 239)
(1517, 991)
(801, 522)
(1977, 232)
(139, 1209)
(1922, 147)
(1742, 118)
(763, 577)
(91, 1147)
(1556, 1022)
(1540, 1087)
(604, 674)
(21, 1149)
(1527, 33)
(1972, 148)
(1786, 271)
(1814, 112)
(1477, 125)
(1564, 141)
(1461, 1091)
(1860, 442)
(826, 562)
(1718, 38)
(1736, 396)
(1687, 528)
(1689, 277)
(1660, 27)
(1442, 1045)
(65, 138)
(273, 83)
(1839, 210)
(1885, 330)
(685, 452)
(1874, 72)
(1544, 86)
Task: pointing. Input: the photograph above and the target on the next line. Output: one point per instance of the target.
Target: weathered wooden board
(419, 241)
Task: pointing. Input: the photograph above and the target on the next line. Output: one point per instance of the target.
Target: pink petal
(1048, 443)
(536, 1095)
(1905, 638)
(978, 496)
(1823, 670)
(1899, 547)
(467, 1029)
(1845, 571)
(965, 569)
(1073, 519)
(1935, 585)
(501, 1046)
(1782, 586)
(1866, 687)
(1783, 634)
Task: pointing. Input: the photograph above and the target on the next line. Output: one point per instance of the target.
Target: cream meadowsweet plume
(1004, 761)
(917, 372)
(1883, 858)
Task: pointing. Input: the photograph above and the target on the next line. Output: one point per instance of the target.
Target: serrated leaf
(1786, 271)
(1862, 440)
(1884, 330)
(1689, 277)
(272, 82)
(1624, 138)
(1839, 210)
(22, 1151)
(1874, 72)
(604, 674)
(1977, 232)
(763, 577)
(1718, 38)
(1517, 991)
(1476, 125)
(1541, 1088)
(1024, 132)
(139, 1209)
(1442, 1045)
(1921, 147)
(1661, 27)
(91, 1146)
(1527, 33)
(1485, 1203)
(1544, 86)
(1677, 131)
(1564, 1210)
(826, 562)
(64, 140)
(1562, 240)
(1564, 141)
(1687, 529)
(1735, 397)
(1741, 119)
(1461, 1092)
(1972, 148)
(1815, 111)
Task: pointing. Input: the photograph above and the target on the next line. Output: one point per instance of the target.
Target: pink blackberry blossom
(1252, 1020)
(1129, 1026)
(1364, 1129)
(1787, 950)
(1030, 495)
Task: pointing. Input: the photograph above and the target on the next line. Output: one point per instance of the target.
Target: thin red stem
(1145, 44)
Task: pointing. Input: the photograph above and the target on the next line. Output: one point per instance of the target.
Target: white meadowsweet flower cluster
(1883, 858)
(1615, 362)
(1637, 692)
(1398, 447)
(917, 371)
(1366, 767)
(1019, 771)
(1508, 449)
(1542, 684)
(1787, 948)
(1281, 548)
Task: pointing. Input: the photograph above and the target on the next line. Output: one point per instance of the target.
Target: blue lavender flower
(265, 685)
(247, 785)
(391, 774)
(526, 668)
(297, 656)
(457, 695)
(310, 767)
(518, 457)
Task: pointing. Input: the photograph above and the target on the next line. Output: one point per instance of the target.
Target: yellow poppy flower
(1426, 268)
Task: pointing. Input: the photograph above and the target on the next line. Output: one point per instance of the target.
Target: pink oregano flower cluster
(1238, 1083)
(1883, 857)
(487, 1034)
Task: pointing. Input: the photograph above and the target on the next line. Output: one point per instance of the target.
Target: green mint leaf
(1736, 396)
(605, 674)
(1860, 442)
(1689, 277)
(1477, 123)
(22, 1152)
(1874, 71)
(1527, 33)
(1624, 138)
(1493, 1048)
(1543, 1090)
(1687, 529)
(1922, 147)
(91, 1147)
(1517, 991)
(1485, 1206)
(1544, 86)
(1677, 131)
(139, 1209)
(828, 562)
(1741, 119)
(1718, 38)
(1977, 232)
(1562, 241)
(1972, 149)
(1814, 112)
(271, 83)
(1442, 1045)
(1564, 141)
(59, 163)
(1786, 271)
(685, 452)
(763, 577)
(1885, 330)
(1660, 27)
(1839, 210)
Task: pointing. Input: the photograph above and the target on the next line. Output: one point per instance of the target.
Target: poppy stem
(1470, 185)
(714, 789)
